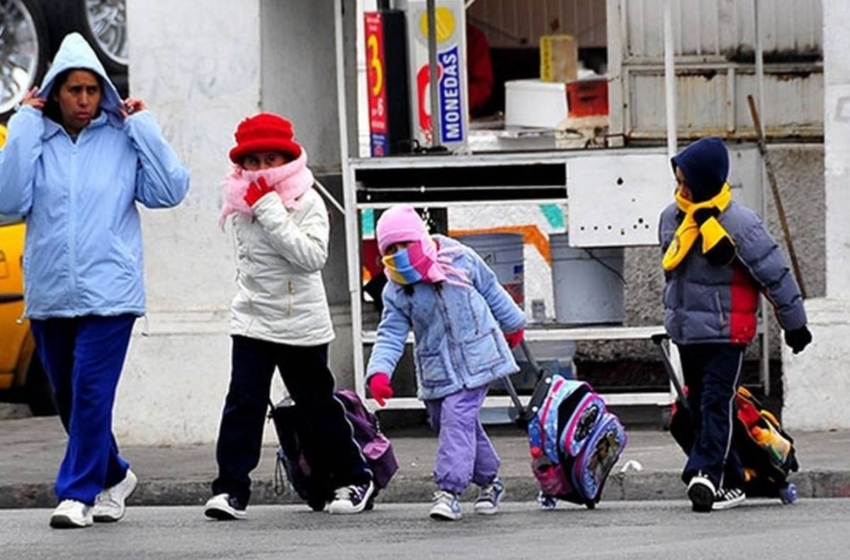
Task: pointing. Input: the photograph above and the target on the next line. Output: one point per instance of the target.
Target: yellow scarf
(684, 238)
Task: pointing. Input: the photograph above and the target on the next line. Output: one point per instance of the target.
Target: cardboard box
(558, 58)
(534, 103)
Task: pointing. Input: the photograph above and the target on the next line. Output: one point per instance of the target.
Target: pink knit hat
(399, 223)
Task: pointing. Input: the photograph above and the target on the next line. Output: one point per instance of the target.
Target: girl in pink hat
(280, 319)
(458, 311)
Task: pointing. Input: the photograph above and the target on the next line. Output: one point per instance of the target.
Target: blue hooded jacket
(83, 249)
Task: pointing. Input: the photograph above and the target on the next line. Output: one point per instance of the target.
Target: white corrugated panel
(724, 27)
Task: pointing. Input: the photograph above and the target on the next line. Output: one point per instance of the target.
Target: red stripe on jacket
(744, 304)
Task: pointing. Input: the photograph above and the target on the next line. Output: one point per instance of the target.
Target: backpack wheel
(788, 495)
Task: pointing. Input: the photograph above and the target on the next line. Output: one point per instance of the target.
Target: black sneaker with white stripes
(727, 498)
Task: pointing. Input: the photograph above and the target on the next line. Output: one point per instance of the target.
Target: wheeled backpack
(573, 438)
(375, 446)
(766, 450)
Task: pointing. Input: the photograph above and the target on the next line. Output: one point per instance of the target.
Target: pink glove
(515, 338)
(379, 386)
(256, 191)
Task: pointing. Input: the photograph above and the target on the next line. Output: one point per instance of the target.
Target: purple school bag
(376, 447)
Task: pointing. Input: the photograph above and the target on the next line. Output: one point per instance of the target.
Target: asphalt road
(624, 530)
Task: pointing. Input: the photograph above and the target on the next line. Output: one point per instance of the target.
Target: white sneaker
(109, 504)
(352, 499)
(71, 514)
(223, 507)
(445, 506)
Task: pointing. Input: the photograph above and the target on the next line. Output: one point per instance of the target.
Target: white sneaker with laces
(109, 505)
(727, 498)
(445, 506)
(351, 499)
(71, 514)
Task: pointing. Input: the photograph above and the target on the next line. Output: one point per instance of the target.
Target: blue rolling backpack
(573, 438)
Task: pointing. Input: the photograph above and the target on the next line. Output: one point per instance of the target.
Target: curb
(630, 486)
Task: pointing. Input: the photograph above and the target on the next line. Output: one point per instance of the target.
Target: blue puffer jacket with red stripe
(717, 304)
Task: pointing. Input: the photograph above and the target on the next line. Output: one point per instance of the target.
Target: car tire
(21, 68)
(38, 391)
(104, 26)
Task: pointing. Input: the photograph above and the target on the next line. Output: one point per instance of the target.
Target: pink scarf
(290, 181)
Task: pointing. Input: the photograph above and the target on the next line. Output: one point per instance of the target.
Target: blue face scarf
(399, 268)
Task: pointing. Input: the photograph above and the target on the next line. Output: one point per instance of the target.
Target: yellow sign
(2, 135)
(445, 23)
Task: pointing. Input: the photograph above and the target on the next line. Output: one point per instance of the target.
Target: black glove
(722, 254)
(703, 214)
(798, 339)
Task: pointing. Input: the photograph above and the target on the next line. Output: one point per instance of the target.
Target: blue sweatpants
(712, 373)
(464, 452)
(83, 357)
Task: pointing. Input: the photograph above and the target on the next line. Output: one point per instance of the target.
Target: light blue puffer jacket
(83, 252)
(458, 329)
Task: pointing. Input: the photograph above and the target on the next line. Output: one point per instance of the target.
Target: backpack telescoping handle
(509, 386)
(659, 339)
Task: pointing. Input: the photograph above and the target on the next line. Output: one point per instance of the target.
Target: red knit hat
(265, 132)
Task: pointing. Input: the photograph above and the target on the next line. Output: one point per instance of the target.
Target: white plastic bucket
(503, 252)
(588, 283)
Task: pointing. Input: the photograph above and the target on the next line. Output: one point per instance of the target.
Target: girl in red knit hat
(280, 319)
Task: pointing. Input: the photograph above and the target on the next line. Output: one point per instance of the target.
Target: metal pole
(669, 78)
(432, 73)
(759, 125)
(352, 227)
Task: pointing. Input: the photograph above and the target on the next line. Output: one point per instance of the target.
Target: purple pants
(464, 452)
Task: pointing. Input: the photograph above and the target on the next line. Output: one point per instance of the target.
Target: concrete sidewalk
(180, 475)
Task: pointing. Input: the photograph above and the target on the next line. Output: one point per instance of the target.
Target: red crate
(587, 98)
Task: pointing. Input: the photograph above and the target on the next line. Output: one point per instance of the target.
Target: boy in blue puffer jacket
(458, 312)
(718, 256)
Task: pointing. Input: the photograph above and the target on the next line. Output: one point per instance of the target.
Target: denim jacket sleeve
(504, 309)
(392, 336)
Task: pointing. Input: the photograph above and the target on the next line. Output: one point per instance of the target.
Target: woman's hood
(76, 53)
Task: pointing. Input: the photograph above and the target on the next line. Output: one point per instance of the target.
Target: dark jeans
(326, 436)
(83, 357)
(712, 373)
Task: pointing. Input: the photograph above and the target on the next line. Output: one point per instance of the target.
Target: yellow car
(21, 374)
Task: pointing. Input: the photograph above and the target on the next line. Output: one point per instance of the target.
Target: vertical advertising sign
(376, 72)
(451, 90)
(387, 87)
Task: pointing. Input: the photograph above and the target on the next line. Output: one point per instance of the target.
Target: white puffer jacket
(280, 254)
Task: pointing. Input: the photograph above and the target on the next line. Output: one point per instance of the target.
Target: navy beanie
(705, 165)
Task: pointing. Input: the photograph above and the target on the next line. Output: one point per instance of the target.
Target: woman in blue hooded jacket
(76, 163)
(718, 257)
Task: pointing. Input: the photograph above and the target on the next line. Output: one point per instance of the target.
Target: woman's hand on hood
(31, 100)
(132, 106)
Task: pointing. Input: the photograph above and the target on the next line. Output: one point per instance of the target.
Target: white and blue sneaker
(546, 502)
(487, 502)
(445, 506)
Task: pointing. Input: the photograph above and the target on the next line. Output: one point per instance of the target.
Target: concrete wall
(817, 381)
(200, 80)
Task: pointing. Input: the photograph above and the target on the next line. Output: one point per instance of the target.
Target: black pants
(327, 437)
(712, 373)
